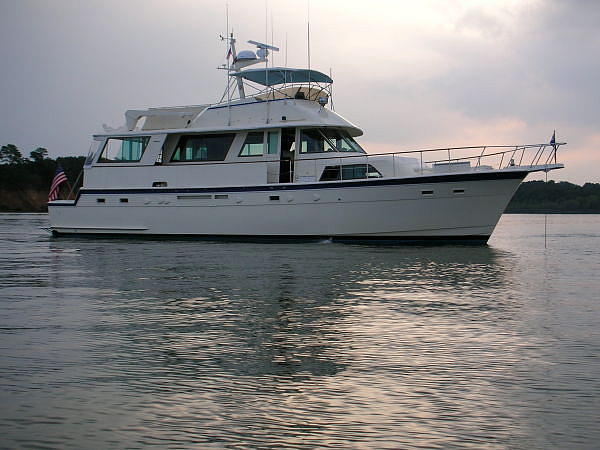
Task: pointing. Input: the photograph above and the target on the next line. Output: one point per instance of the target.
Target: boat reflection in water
(290, 344)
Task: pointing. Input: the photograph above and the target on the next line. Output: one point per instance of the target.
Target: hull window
(128, 149)
(207, 147)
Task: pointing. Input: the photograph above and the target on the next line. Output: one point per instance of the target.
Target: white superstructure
(280, 163)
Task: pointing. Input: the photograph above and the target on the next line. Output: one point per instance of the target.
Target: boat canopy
(278, 75)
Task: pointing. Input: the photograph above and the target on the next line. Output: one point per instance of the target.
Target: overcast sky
(411, 74)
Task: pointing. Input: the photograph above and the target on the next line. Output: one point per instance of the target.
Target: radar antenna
(247, 58)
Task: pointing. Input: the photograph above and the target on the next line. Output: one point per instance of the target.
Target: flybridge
(305, 84)
(264, 84)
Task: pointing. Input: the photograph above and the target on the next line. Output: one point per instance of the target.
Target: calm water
(129, 343)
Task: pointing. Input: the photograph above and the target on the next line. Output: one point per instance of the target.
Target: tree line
(35, 173)
(555, 197)
(19, 173)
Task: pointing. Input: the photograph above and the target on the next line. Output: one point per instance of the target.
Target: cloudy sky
(411, 74)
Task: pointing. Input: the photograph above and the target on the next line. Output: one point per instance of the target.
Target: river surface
(113, 343)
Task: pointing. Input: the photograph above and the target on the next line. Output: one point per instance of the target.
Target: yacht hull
(458, 207)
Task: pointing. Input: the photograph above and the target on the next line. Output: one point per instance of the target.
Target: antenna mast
(228, 66)
(308, 40)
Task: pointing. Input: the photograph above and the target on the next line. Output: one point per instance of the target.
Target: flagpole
(75, 185)
(554, 146)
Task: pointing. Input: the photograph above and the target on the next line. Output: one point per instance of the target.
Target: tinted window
(205, 147)
(129, 149)
(349, 172)
(253, 145)
(272, 142)
(318, 140)
(313, 141)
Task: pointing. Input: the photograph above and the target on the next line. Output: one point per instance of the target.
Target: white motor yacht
(272, 159)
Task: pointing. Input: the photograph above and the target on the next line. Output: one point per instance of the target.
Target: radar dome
(246, 54)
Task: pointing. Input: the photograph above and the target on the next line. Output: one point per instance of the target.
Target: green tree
(39, 154)
(10, 154)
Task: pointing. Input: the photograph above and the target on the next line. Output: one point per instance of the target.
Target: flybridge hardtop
(279, 75)
(272, 158)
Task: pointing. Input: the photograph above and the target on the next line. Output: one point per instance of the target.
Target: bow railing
(436, 160)
(528, 155)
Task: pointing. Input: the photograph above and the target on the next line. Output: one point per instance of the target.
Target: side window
(272, 141)
(330, 173)
(313, 141)
(254, 144)
(91, 153)
(319, 140)
(349, 172)
(202, 147)
(124, 149)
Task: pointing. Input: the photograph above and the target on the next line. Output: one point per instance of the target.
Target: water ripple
(129, 343)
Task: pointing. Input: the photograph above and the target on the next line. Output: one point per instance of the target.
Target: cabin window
(313, 141)
(272, 142)
(91, 153)
(124, 149)
(205, 147)
(349, 172)
(253, 145)
(319, 140)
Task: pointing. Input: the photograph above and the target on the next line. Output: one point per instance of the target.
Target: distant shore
(540, 197)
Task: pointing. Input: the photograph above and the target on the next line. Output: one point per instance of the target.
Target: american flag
(59, 178)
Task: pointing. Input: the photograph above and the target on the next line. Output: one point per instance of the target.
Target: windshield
(319, 140)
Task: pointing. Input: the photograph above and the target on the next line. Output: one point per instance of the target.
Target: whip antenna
(308, 39)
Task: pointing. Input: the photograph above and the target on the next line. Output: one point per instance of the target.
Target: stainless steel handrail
(540, 152)
(511, 148)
